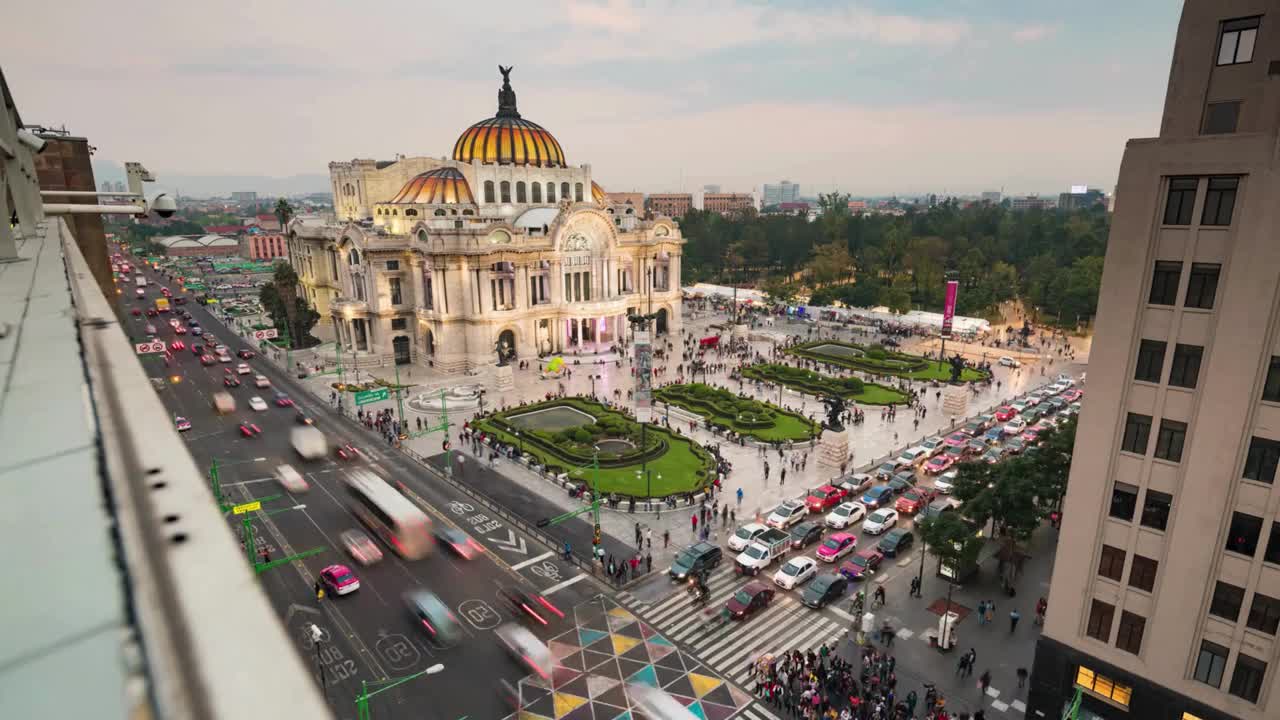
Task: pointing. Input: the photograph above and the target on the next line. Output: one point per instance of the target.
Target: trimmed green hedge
(878, 360)
(815, 383)
(725, 410)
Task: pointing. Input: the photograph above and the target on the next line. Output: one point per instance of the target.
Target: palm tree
(286, 282)
(283, 212)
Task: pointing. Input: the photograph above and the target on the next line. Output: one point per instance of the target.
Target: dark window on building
(1246, 681)
(1124, 499)
(577, 192)
(1272, 554)
(393, 264)
(1111, 564)
(1186, 365)
(1100, 617)
(1164, 283)
(1271, 389)
(1219, 201)
(1181, 201)
(1226, 602)
(1150, 360)
(1211, 663)
(488, 191)
(1260, 463)
(1202, 285)
(394, 285)
(1242, 536)
(504, 188)
(1264, 614)
(1129, 636)
(520, 195)
(1169, 441)
(537, 192)
(1142, 574)
(1137, 430)
(551, 192)
(1221, 118)
(1235, 44)
(564, 191)
(1155, 509)
(399, 323)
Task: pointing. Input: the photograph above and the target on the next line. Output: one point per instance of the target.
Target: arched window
(453, 211)
(353, 257)
(520, 196)
(488, 191)
(440, 212)
(422, 236)
(551, 192)
(505, 189)
(537, 192)
(468, 212)
(395, 212)
(410, 212)
(577, 192)
(564, 191)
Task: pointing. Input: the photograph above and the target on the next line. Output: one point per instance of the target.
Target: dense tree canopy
(1050, 259)
(288, 311)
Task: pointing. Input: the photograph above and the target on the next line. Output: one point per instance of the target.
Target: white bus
(390, 515)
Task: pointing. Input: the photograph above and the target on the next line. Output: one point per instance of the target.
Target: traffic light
(595, 539)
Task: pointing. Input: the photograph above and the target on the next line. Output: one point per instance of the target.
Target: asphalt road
(367, 635)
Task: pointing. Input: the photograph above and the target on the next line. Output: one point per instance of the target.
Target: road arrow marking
(512, 543)
(295, 608)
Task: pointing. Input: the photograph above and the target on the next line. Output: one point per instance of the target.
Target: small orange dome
(597, 192)
(442, 186)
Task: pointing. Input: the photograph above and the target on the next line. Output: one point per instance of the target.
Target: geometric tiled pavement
(609, 649)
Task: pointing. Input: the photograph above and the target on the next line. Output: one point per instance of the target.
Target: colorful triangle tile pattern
(566, 703)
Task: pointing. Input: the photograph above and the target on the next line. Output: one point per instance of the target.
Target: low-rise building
(728, 203)
(672, 205)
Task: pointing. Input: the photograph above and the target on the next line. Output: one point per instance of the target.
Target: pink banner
(949, 307)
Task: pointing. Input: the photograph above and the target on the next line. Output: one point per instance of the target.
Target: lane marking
(565, 584)
(531, 561)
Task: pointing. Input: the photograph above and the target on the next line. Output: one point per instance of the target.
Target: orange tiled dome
(597, 192)
(508, 139)
(442, 186)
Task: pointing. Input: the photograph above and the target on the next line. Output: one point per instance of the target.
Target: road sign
(155, 346)
(365, 397)
(267, 334)
(247, 507)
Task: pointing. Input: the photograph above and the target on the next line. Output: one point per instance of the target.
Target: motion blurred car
(880, 521)
(1015, 445)
(282, 400)
(303, 419)
(182, 423)
(230, 381)
(360, 547)
(822, 499)
(993, 435)
(837, 546)
(339, 580)
(257, 403)
(248, 429)
(180, 329)
(1073, 395)
(346, 452)
(151, 329)
(136, 312)
(291, 479)
(460, 543)
(993, 456)
(902, 482)
(749, 599)
(246, 354)
(1009, 362)
(886, 471)
(525, 648)
(795, 572)
(197, 349)
(196, 330)
(862, 564)
(243, 369)
(845, 515)
(261, 381)
(177, 345)
(435, 617)
(207, 360)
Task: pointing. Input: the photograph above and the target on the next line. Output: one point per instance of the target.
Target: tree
(780, 291)
(831, 262)
(1050, 464)
(283, 212)
(280, 299)
(1005, 494)
(834, 214)
(950, 539)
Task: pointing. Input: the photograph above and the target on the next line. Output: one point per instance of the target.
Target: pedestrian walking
(963, 666)
(638, 535)
(648, 538)
(982, 612)
(739, 497)
(648, 562)
(782, 476)
(984, 681)
(1022, 677)
(666, 539)
(1014, 617)
(693, 519)
(973, 662)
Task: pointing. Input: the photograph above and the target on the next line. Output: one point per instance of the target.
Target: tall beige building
(1165, 600)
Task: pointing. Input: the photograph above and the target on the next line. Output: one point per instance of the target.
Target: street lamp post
(362, 700)
(593, 386)
(520, 440)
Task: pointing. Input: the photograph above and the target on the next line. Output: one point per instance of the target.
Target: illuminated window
(1103, 687)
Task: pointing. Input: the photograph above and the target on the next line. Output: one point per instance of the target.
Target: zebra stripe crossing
(732, 648)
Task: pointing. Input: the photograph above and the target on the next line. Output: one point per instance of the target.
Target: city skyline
(272, 94)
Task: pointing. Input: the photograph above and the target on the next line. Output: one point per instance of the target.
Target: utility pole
(593, 508)
(362, 700)
(443, 426)
(400, 401)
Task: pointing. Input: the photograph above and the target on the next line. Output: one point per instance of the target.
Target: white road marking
(531, 561)
(565, 584)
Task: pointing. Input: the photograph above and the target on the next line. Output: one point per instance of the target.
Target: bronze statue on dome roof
(507, 96)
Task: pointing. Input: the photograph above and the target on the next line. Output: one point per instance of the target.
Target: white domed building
(441, 261)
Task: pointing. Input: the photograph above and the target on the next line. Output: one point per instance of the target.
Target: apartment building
(1165, 599)
(728, 203)
(672, 205)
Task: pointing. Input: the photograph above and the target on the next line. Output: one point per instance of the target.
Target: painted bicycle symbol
(457, 507)
(546, 570)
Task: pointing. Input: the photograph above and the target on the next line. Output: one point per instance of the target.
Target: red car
(1005, 413)
(136, 312)
(862, 564)
(246, 354)
(837, 546)
(283, 400)
(750, 599)
(1072, 395)
(346, 452)
(248, 429)
(230, 381)
(956, 439)
(177, 345)
(915, 500)
(207, 360)
(822, 499)
(339, 580)
(938, 464)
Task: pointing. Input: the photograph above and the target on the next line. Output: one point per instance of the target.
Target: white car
(243, 369)
(1015, 426)
(290, 479)
(1065, 379)
(1058, 388)
(932, 446)
(526, 648)
(795, 572)
(787, 514)
(845, 514)
(223, 357)
(261, 381)
(745, 535)
(912, 456)
(257, 403)
(946, 482)
(879, 521)
(1009, 362)
(1033, 399)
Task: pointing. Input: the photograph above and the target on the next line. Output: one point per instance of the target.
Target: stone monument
(833, 448)
(502, 377)
(955, 400)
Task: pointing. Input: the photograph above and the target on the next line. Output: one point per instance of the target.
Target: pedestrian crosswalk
(732, 648)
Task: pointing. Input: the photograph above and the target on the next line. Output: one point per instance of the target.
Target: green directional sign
(364, 397)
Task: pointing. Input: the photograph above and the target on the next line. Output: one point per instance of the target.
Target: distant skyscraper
(708, 189)
(784, 192)
(244, 197)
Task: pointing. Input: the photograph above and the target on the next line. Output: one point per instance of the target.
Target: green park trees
(280, 300)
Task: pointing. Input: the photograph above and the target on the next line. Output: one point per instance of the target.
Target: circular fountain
(462, 397)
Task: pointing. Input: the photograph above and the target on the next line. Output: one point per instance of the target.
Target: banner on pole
(949, 307)
(644, 377)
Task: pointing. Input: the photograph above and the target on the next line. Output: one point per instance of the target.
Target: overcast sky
(874, 97)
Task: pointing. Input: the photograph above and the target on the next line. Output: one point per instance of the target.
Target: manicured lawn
(674, 471)
(877, 360)
(717, 405)
(941, 371)
(815, 383)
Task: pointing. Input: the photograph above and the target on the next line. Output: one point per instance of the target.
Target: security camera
(32, 140)
(163, 205)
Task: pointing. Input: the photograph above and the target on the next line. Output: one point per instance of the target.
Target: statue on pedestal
(507, 96)
(835, 412)
(957, 366)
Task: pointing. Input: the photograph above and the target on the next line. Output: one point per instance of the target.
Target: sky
(869, 97)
